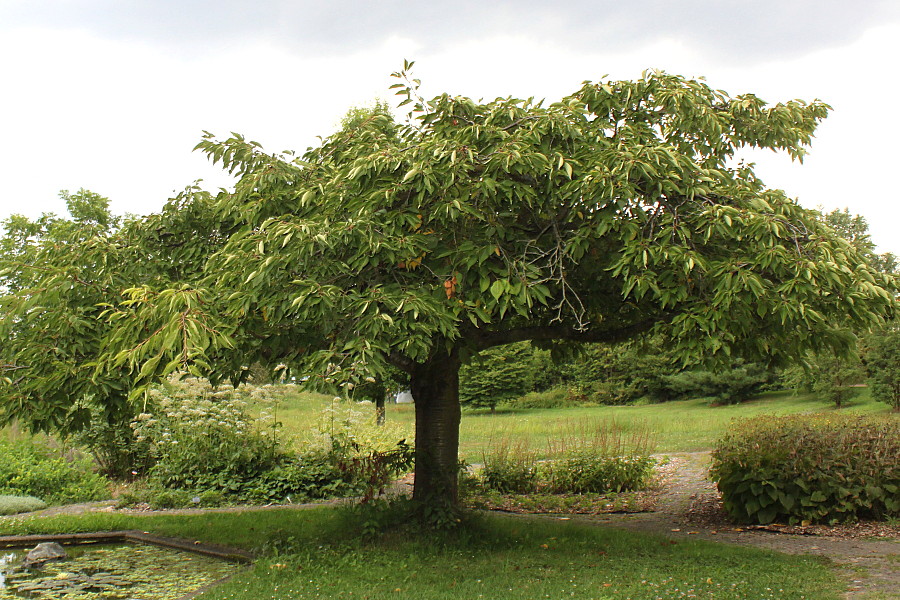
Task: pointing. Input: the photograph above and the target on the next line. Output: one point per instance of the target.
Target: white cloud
(120, 117)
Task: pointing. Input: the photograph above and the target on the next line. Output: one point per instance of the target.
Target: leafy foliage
(614, 212)
(497, 376)
(208, 449)
(810, 468)
(883, 365)
(32, 469)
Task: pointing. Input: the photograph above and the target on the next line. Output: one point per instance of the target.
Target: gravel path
(688, 506)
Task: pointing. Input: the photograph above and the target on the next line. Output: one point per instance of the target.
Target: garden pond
(124, 571)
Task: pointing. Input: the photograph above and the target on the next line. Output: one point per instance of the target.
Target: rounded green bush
(13, 505)
(810, 468)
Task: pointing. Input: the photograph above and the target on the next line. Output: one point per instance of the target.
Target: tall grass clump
(810, 468)
(601, 458)
(510, 467)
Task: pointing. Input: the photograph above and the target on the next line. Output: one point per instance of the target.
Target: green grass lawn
(675, 426)
(318, 554)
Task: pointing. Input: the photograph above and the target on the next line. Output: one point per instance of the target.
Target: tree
(58, 276)
(610, 214)
(882, 359)
(50, 327)
(826, 373)
(829, 376)
(855, 229)
(497, 375)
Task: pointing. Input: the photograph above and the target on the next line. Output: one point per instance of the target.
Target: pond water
(111, 572)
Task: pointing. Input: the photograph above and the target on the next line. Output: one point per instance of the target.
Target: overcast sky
(112, 95)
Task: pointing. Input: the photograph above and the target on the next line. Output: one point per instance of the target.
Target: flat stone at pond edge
(44, 552)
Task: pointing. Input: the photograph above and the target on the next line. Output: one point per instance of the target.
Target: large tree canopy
(616, 211)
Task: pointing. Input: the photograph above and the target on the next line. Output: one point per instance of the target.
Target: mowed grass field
(318, 553)
(682, 426)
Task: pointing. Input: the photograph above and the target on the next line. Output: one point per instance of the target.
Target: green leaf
(497, 289)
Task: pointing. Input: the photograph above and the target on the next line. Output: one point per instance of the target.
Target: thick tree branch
(488, 339)
(401, 361)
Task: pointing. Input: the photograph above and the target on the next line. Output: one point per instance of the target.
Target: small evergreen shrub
(810, 468)
(30, 468)
(728, 386)
(13, 505)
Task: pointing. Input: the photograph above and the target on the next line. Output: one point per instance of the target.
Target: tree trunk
(435, 389)
(379, 411)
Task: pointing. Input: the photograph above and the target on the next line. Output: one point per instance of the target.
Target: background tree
(855, 229)
(882, 360)
(58, 276)
(497, 375)
(828, 374)
(612, 213)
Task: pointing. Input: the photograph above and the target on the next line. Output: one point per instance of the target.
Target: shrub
(558, 397)
(32, 469)
(13, 505)
(367, 455)
(203, 439)
(510, 468)
(589, 473)
(112, 443)
(208, 447)
(305, 478)
(608, 457)
(810, 468)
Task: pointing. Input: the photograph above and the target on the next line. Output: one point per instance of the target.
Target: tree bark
(435, 389)
(379, 411)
